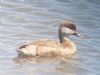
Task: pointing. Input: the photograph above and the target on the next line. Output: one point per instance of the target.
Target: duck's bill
(80, 35)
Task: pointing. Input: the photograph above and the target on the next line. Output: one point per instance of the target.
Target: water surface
(24, 21)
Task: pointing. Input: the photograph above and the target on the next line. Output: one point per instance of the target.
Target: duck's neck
(60, 36)
(68, 47)
(66, 42)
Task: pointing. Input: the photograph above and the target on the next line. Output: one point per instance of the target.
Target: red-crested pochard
(45, 47)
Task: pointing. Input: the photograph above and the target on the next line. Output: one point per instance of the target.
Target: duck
(46, 47)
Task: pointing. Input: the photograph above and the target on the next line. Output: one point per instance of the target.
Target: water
(23, 21)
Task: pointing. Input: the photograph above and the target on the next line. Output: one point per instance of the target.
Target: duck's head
(68, 28)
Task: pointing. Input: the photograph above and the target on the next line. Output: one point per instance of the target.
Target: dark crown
(68, 24)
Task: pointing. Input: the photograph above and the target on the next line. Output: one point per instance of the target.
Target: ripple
(23, 21)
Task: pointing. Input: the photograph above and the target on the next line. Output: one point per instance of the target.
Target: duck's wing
(40, 47)
(47, 47)
(42, 42)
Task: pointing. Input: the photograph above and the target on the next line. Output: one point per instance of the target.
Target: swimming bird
(46, 47)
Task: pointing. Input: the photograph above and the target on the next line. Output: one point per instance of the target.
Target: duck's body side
(48, 48)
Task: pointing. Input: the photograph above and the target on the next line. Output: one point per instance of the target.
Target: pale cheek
(67, 31)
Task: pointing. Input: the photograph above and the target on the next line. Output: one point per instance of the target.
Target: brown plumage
(47, 47)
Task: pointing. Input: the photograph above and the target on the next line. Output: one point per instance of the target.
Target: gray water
(23, 21)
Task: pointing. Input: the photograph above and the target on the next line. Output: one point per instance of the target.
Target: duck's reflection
(23, 59)
(57, 65)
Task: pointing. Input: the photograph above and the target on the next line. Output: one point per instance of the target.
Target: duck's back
(46, 42)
